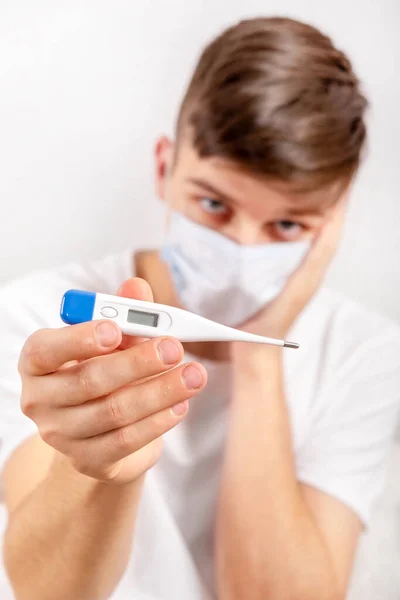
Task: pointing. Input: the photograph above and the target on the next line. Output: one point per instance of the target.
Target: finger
(102, 452)
(102, 375)
(326, 243)
(137, 289)
(134, 403)
(48, 349)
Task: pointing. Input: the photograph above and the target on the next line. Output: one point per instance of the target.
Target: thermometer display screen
(142, 318)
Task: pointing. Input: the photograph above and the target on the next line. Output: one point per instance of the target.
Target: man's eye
(214, 207)
(288, 230)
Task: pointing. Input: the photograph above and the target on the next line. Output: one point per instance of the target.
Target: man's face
(245, 208)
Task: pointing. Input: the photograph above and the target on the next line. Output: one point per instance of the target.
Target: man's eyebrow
(316, 208)
(211, 189)
(306, 210)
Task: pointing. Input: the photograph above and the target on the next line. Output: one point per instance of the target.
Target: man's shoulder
(351, 314)
(36, 296)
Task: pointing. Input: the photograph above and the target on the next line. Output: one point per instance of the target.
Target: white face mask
(222, 280)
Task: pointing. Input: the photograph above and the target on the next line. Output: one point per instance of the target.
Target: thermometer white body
(148, 319)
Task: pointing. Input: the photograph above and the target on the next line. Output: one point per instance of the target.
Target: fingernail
(180, 408)
(106, 334)
(192, 377)
(168, 351)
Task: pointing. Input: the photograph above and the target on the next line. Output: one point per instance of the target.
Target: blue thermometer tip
(77, 306)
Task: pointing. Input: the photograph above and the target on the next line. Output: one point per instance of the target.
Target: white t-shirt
(342, 390)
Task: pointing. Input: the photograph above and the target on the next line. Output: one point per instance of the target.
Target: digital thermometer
(148, 319)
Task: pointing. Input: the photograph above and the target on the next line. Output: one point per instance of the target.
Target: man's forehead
(230, 180)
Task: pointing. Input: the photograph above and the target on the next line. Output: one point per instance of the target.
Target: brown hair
(275, 96)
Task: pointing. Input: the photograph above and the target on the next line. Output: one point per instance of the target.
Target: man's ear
(163, 157)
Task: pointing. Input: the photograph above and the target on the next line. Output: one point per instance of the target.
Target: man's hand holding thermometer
(102, 400)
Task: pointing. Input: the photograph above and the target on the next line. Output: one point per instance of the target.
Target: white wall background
(86, 86)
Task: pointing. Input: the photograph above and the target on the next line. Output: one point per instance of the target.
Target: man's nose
(246, 233)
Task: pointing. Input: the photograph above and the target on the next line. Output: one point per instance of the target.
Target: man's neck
(149, 266)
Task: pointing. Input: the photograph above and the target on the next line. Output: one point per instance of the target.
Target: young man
(262, 488)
